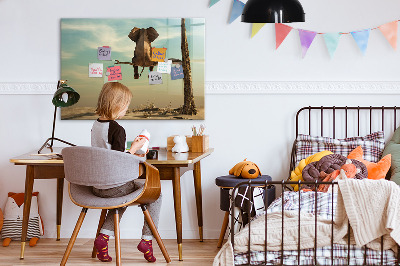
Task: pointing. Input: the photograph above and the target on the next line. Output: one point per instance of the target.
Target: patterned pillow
(372, 145)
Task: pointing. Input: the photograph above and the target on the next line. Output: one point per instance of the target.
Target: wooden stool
(226, 183)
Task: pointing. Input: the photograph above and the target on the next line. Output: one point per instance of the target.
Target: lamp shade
(273, 11)
(65, 96)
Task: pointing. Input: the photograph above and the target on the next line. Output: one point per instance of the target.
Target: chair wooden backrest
(152, 187)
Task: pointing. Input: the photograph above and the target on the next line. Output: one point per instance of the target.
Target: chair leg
(101, 222)
(73, 237)
(154, 230)
(223, 229)
(117, 239)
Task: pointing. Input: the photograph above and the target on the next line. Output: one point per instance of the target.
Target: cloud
(78, 73)
(99, 34)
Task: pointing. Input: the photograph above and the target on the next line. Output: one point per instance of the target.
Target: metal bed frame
(283, 184)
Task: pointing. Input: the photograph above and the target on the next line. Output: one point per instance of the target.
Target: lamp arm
(54, 126)
(46, 143)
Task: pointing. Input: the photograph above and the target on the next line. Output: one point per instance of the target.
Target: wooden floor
(50, 252)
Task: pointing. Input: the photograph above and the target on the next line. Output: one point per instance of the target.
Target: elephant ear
(152, 34)
(134, 34)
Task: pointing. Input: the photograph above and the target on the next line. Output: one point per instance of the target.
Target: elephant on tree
(142, 54)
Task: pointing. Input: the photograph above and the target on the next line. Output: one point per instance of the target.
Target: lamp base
(50, 146)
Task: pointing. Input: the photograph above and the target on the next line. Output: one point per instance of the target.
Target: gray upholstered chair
(85, 167)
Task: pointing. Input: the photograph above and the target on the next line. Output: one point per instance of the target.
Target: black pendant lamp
(273, 11)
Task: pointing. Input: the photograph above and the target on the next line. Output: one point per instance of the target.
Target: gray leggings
(154, 208)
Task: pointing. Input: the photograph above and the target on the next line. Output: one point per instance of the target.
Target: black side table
(226, 183)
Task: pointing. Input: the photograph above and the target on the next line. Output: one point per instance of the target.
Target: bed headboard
(344, 121)
(344, 118)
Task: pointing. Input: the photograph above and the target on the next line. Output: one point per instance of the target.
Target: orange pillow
(375, 170)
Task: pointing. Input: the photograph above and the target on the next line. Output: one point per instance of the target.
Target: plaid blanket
(324, 257)
(323, 205)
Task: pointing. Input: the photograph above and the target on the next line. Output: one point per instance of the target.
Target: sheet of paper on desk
(155, 78)
(95, 70)
(104, 53)
(164, 67)
(114, 73)
(52, 155)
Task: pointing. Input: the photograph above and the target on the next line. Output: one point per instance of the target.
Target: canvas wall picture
(160, 60)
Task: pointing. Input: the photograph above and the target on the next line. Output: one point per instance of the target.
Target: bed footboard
(309, 256)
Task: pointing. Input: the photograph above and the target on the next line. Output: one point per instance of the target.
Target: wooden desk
(169, 165)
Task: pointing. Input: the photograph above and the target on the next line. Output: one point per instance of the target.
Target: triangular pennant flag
(332, 41)
(237, 9)
(390, 32)
(306, 39)
(213, 2)
(255, 28)
(281, 31)
(361, 37)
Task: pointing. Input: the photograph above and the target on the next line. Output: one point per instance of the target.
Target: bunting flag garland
(281, 31)
(361, 37)
(306, 39)
(256, 28)
(389, 30)
(332, 41)
(213, 2)
(237, 9)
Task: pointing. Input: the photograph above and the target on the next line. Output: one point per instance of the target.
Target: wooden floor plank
(49, 252)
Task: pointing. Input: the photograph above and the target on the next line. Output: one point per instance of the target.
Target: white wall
(259, 127)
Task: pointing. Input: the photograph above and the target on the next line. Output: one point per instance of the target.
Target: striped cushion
(13, 228)
(372, 145)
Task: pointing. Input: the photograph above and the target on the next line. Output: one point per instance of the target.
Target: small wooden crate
(171, 143)
(200, 143)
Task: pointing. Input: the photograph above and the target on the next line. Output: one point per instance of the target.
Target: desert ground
(150, 113)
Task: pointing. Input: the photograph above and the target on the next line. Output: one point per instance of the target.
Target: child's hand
(137, 144)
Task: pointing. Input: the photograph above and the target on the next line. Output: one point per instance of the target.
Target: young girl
(112, 104)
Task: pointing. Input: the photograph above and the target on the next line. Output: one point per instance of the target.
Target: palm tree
(189, 107)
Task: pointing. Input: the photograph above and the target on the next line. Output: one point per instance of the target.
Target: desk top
(164, 157)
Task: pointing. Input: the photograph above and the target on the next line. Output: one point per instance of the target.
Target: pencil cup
(200, 143)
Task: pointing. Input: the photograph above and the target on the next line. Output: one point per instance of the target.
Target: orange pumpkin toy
(375, 170)
(245, 169)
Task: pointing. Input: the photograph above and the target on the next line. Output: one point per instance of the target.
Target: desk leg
(176, 182)
(27, 206)
(60, 190)
(199, 204)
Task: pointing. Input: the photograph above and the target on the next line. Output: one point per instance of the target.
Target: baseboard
(248, 87)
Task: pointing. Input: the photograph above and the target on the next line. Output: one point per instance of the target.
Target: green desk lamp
(64, 96)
